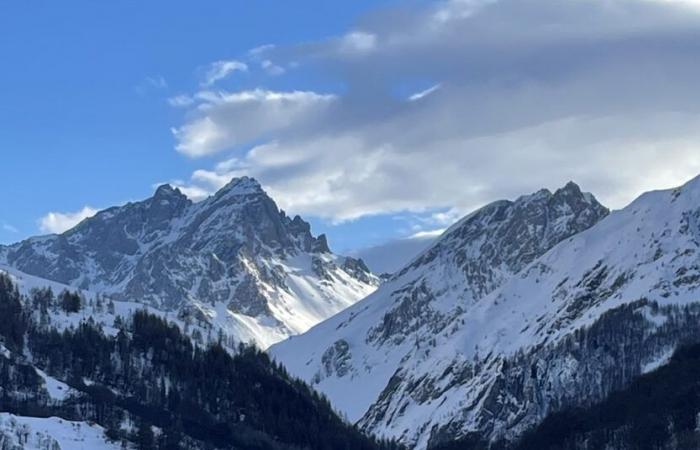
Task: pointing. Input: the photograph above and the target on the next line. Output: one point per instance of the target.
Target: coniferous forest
(658, 411)
(151, 375)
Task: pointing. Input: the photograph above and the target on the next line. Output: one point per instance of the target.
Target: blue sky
(373, 119)
(84, 112)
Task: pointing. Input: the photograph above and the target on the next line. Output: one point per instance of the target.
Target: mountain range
(520, 310)
(521, 316)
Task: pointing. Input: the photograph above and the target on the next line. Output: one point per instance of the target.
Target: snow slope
(201, 331)
(473, 370)
(52, 433)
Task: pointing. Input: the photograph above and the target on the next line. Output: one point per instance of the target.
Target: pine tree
(145, 440)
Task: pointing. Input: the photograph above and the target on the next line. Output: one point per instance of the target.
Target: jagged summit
(502, 237)
(166, 191)
(233, 259)
(241, 186)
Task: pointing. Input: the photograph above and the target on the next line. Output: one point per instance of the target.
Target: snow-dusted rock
(419, 358)
(52, 433)
(489, 331)
(234, 260)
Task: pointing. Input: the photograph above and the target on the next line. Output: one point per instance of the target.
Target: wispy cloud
(149, 83)
(58, 222)
(427, 234)
(271, 68)
(425, 93)
(9, 228)
(358, 42)
(261, 49)
(219, 70)
(181, 100)
(226, 119)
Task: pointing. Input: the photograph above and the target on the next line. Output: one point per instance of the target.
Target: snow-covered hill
(52, 433)
(234, 260)
(379, 360)
(104, 312)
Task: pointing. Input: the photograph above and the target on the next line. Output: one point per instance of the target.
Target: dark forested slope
(658, 411)
(149, 375)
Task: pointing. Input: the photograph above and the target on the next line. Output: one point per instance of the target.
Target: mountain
(420, 354)
(393, 255)
(233, 260)
(140, 383)
(659, 410)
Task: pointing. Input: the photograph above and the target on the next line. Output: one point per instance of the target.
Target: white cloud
(427, 234)
(343, 178)
(458, 9)
(424, 93)
(532, 94)
(57, 222)
(271, 68)
(9, 228)
(226, 119)
(149, 83)
(194, 193)
(219, 70)
(358, 42)
(180, 101)
(157, 82)
(261, 49)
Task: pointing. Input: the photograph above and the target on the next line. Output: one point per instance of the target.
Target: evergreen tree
(70, 302)
(145, 440)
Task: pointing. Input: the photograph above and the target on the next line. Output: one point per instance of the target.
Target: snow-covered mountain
(427, 357)
(233, 260)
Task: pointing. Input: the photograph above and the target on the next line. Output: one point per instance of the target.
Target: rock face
(234, 260)
(402, 362)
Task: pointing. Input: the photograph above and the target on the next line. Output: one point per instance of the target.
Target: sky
(374, 120)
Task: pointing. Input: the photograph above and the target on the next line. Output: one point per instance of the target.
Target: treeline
(151, 375)
(658, 411)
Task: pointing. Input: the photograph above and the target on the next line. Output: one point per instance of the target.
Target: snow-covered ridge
(505, 319)
(233, 260)
(353, 356)
(104, 312)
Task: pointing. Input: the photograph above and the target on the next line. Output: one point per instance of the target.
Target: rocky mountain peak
(233, 257)
(503, 237)
(242, 186)
(167, 203)
(166, 191)
(571, 187)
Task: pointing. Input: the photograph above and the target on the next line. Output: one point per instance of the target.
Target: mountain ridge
(497, 361)
(404, 311)
(233, 259)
